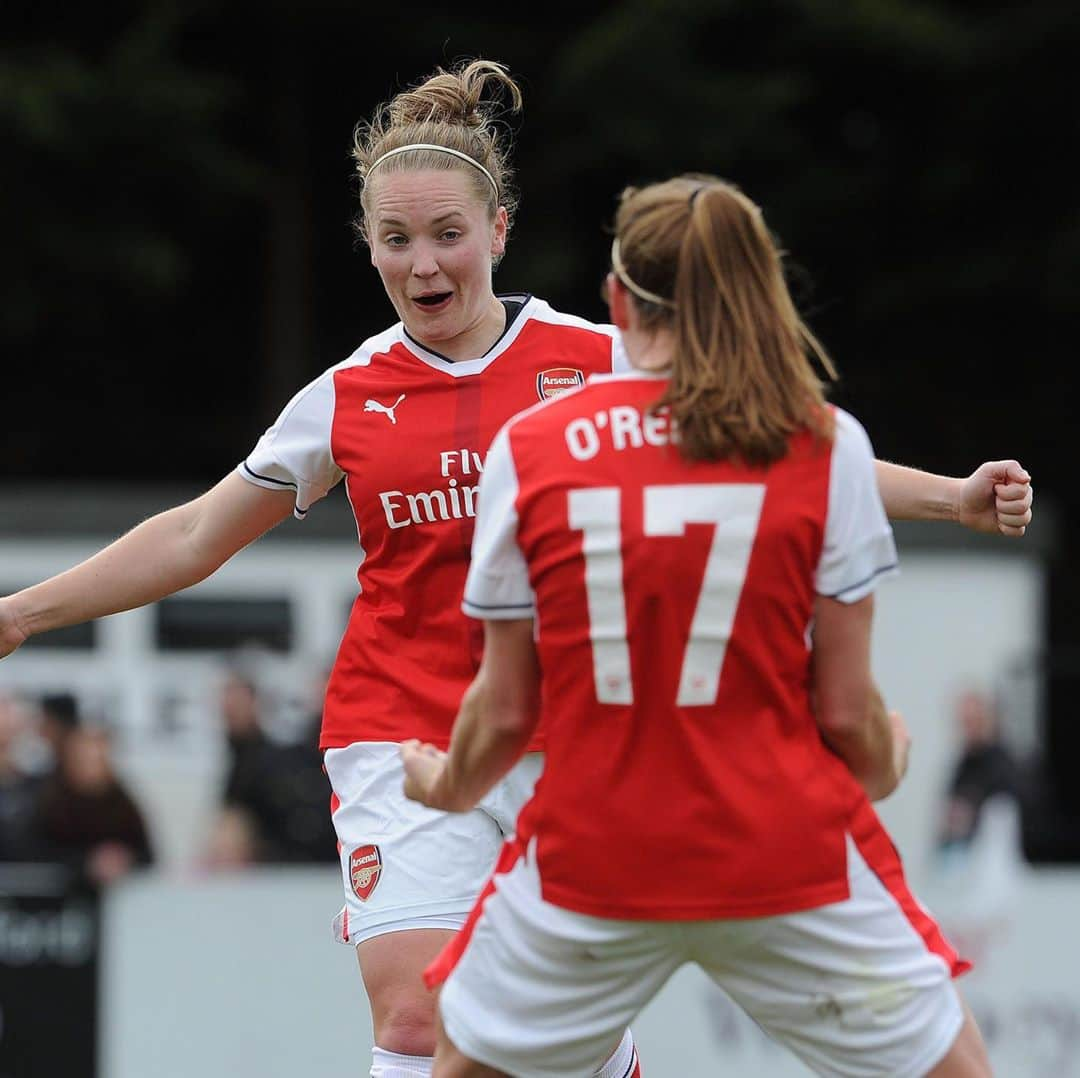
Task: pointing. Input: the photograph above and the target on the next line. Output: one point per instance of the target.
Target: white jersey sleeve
(295, 453)
(497, 587)
(859, 548)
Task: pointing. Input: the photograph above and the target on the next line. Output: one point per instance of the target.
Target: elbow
(510, 720)
(878, 786)
(845, 711)
(502, 708)
(510, 713)
(842, 722)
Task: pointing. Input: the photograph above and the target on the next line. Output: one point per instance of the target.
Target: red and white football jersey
(685, 775)
(408, 430)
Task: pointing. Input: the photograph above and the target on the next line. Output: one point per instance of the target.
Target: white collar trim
(462, 368)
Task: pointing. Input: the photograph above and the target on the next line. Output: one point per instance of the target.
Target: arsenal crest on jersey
(556, 380)
(365, 867)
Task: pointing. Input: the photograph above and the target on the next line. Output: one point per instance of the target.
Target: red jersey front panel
(408, 431)
(685, 776)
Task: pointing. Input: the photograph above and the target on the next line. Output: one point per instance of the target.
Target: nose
(424, 263)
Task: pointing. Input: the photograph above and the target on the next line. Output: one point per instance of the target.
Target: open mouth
(433, 300)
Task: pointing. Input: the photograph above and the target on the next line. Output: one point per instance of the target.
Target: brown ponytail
(742, 381)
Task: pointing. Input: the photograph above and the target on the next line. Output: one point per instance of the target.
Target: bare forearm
(153, 560)
(480, 754)
(867, 749)
(909, 494)
(162, 555)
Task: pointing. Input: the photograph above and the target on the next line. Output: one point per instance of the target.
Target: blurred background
(178, 259)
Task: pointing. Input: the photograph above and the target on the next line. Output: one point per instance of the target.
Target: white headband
(641, 293)
(439, 149)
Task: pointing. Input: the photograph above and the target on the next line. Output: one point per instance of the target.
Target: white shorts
(404, 865)
(851, 988)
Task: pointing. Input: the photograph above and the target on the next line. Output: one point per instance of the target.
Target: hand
(889, 774)
(901, 744)
(424, 767)
(996, 497)
(11, 634)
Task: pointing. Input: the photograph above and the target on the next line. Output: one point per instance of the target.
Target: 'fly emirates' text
(452, 502)
(623, 426)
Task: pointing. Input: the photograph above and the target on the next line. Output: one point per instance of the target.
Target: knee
(407, 1027)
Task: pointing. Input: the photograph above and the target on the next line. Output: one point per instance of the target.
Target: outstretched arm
(995, 498)
(165, 553)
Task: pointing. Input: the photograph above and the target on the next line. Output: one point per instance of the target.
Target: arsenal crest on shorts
(556, 380)
(365, 867)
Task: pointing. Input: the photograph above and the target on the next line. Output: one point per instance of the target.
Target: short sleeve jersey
(407, 431)
(685, 776)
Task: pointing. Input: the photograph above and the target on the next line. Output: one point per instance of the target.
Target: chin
(432, 333)
(439, 328)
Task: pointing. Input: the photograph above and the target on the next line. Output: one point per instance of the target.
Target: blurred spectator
(985, 768)
(19, 786)
(58, 716)
(289, 793)
(86, 817)
(979, 863)
(244, 732)
(233, 842)
(276, 795)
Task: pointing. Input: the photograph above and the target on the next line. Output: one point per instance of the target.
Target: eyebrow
(398, 222)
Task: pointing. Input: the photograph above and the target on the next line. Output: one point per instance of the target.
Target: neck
(476, 338)
(650, 352)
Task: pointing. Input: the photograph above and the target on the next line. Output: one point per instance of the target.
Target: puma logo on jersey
(374, 406)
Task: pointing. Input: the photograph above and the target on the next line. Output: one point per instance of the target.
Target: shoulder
(541, 311)
(850, 439)
(320, 391)
(370, 350)
(602, 339)
(360, 357)
(314, 404)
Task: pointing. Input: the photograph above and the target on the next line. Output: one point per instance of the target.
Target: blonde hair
(742, 381)
(459, 110)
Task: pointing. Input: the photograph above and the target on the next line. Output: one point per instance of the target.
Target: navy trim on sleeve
(268, 478)
(502, 606)
(866, 580)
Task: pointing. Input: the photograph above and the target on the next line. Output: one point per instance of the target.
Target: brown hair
(459, 109)
(742, 380)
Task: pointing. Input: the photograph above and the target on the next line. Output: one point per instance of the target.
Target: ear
(618, 302)
(498, 233)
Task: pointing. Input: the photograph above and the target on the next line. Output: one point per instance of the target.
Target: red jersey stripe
(878, 851)
(443, 964)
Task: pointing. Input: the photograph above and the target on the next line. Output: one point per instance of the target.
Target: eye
(451, 235)
(395, 240)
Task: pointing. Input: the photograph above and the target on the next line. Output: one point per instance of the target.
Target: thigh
(967, 1057)
(392, 966)
(542, 992)
(404, 866)
(852, 988)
